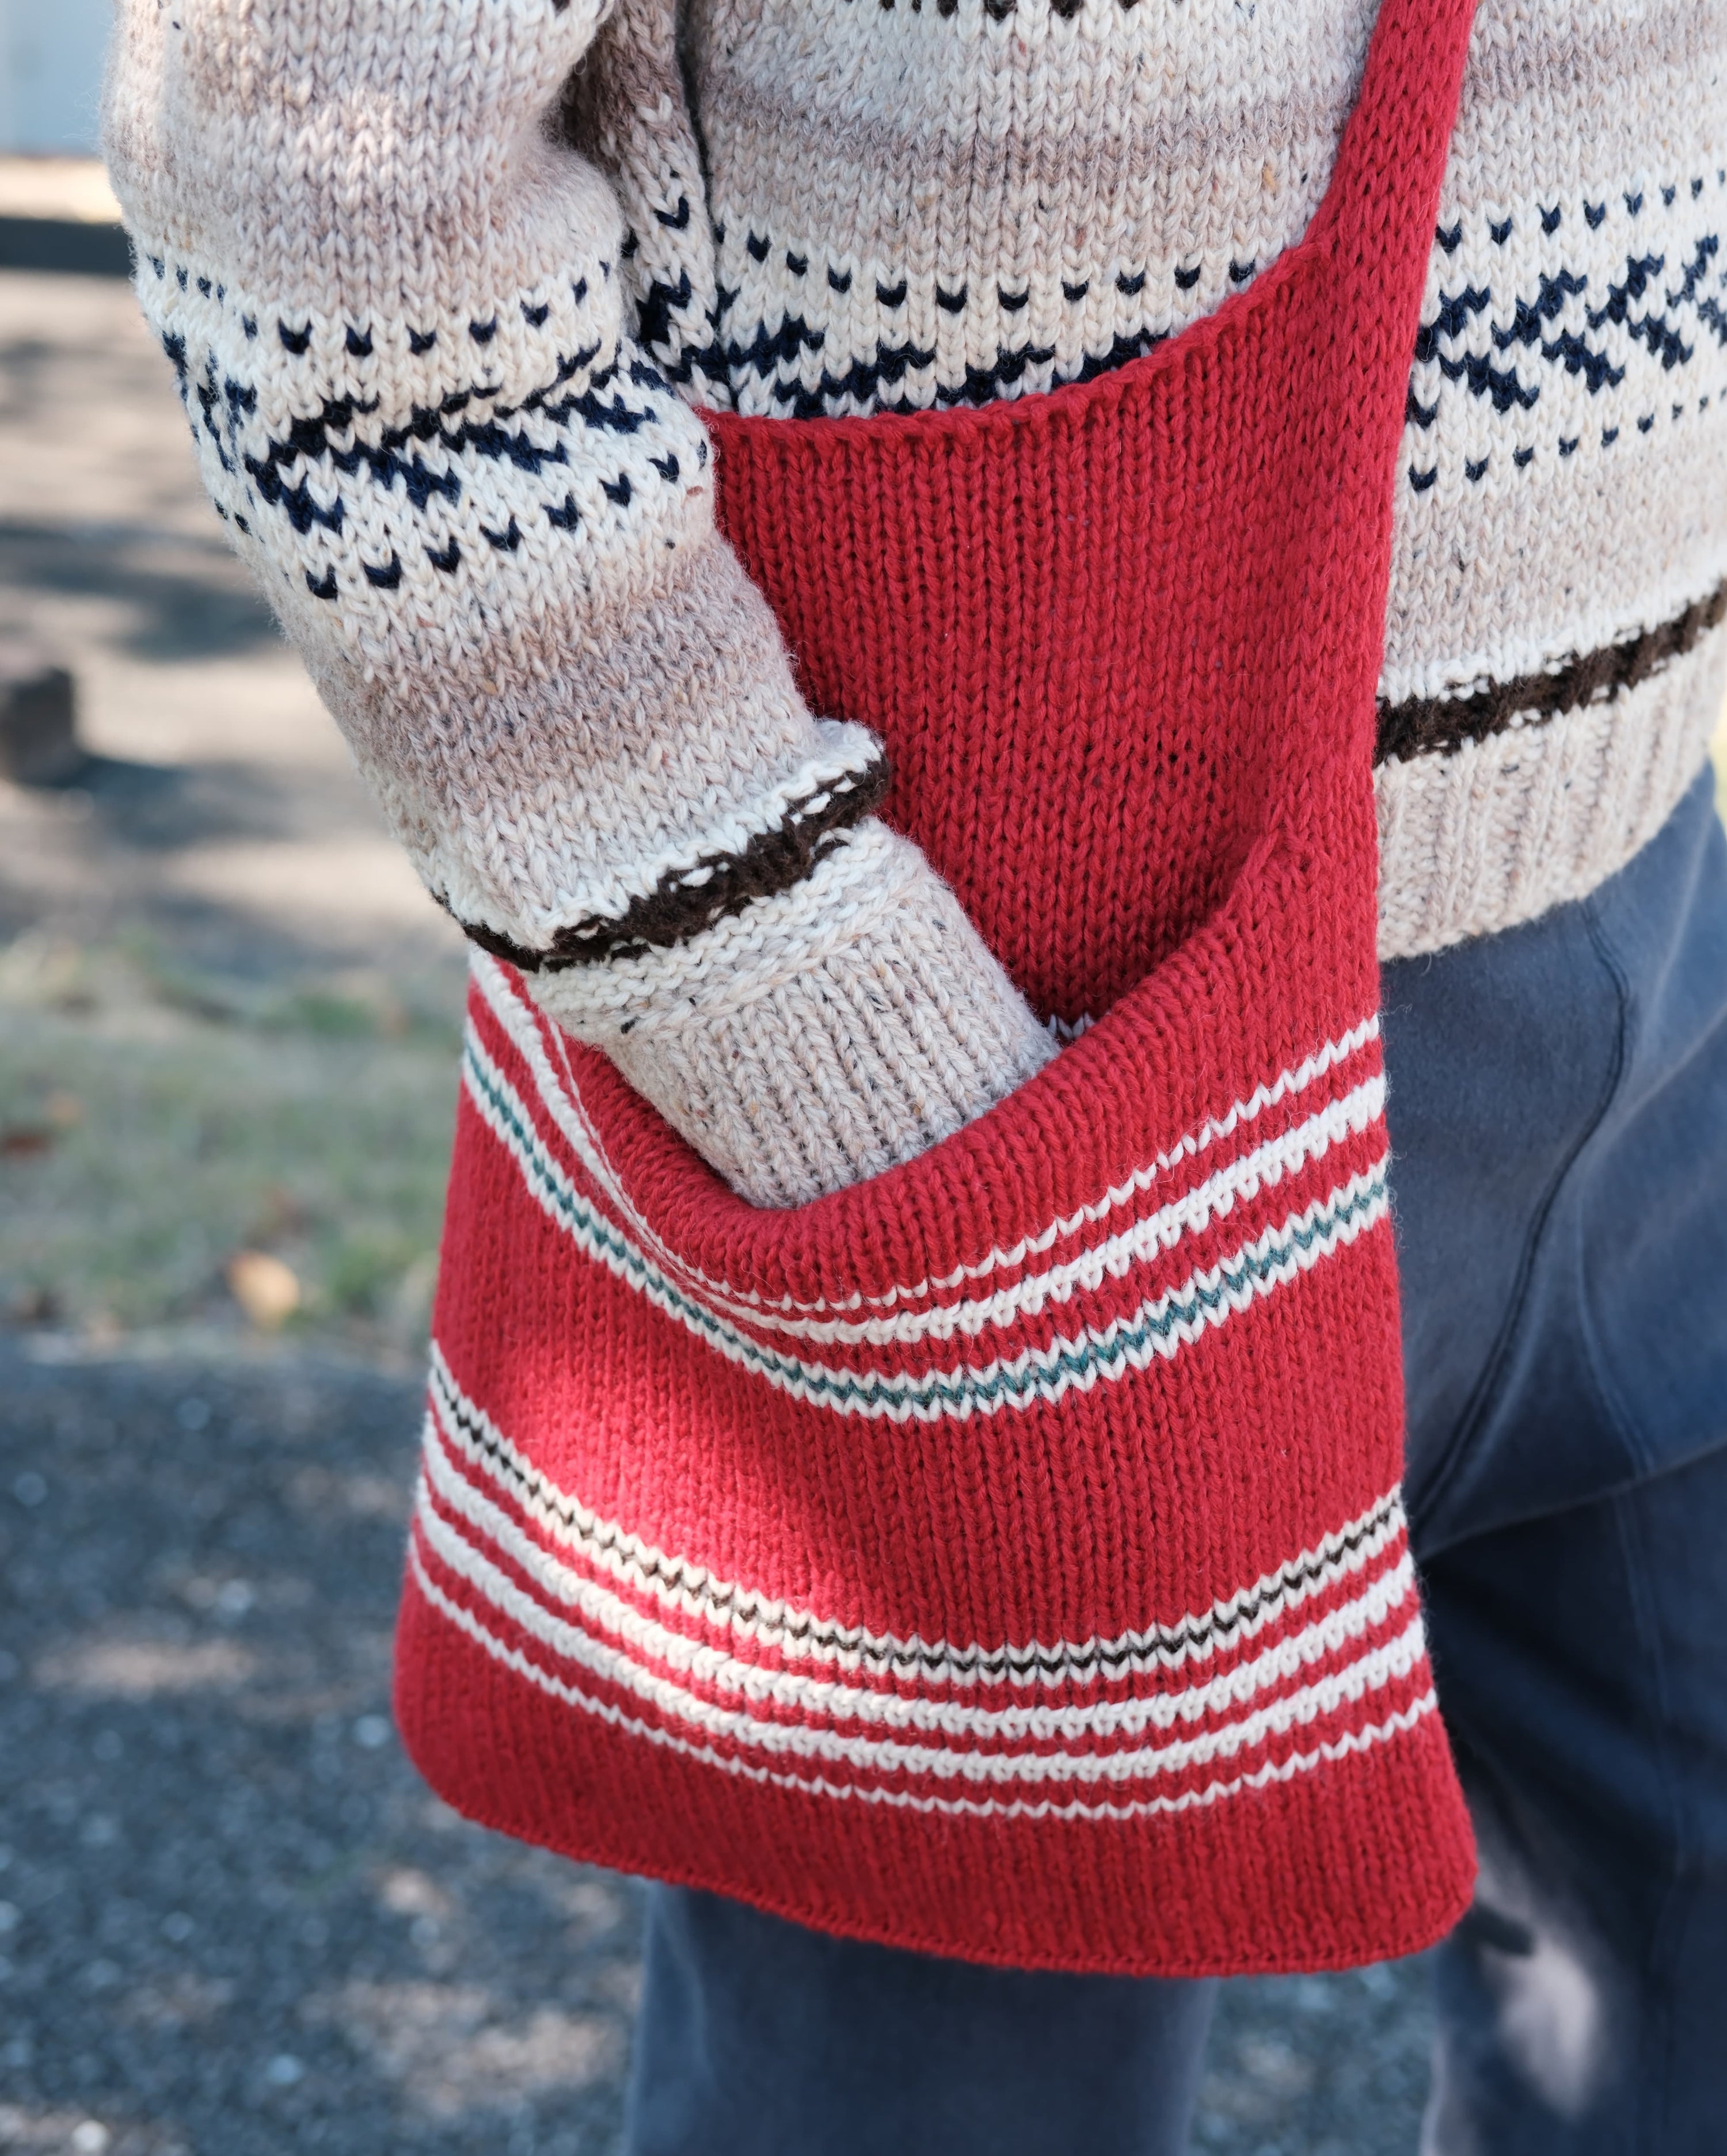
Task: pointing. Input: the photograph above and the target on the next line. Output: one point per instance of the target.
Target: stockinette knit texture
(1003, 1556)
(444, 284)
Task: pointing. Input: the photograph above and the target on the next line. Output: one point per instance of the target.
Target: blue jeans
(1558, 1107)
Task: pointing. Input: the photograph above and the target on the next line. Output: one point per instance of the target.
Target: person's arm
(391, 294)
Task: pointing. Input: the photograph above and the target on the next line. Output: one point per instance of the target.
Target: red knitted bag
(1004, 1557)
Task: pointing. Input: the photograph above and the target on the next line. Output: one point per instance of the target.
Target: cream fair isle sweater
(446, 284)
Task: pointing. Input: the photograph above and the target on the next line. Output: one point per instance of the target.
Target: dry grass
(152, 1127)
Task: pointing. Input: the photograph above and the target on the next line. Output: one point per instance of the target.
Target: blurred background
(231, 1920)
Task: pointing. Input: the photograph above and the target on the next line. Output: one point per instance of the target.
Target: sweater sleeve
(391, 292)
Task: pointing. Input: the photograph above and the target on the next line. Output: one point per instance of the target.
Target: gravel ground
(234, 1923)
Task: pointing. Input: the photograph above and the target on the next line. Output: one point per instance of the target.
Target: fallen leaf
(264, 1288)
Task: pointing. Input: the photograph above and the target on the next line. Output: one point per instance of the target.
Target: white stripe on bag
(1385, 1663)
(606, 1711)
(560, 1095)
(691, 1590)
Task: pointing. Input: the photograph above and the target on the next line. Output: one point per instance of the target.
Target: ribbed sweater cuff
(821, 1036)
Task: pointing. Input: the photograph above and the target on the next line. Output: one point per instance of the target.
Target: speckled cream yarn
(925, 206)
(445, 286)
(835, 1007)
(391, 293)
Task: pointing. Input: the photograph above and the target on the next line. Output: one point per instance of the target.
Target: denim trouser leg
(760, 2038)
(1559, 1113)
(1557, 1109)
(1582, 1661)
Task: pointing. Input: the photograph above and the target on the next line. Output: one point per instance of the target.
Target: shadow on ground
(160, 807)
(180, 596)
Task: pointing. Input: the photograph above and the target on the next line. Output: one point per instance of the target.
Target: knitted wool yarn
(462, 502)
(391, 303)
(929, 207)
(1003, 1556)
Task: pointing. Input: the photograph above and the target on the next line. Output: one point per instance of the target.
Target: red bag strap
(1378, 215)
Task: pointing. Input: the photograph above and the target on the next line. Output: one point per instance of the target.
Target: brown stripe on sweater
(686, 901)
(1429, 726)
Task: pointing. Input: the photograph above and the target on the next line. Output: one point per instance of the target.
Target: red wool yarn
(1003, 1556)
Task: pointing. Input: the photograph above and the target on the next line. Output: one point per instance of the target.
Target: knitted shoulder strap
(1375, 235)
(1378, 212)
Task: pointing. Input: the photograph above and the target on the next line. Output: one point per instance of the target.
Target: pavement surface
(220, 812)
(233, 1922)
